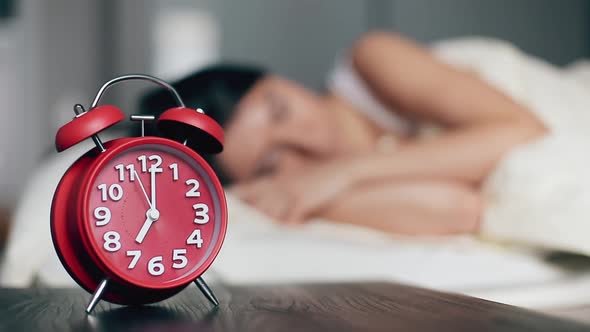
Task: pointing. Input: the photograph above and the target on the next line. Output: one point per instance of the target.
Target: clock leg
(206, 291)
(97, 295)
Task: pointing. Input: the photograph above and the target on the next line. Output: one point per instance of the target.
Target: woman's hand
(294, 197)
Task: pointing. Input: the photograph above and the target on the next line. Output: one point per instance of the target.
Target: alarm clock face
(154, 215)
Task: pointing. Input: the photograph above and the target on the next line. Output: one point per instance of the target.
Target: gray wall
(69, 47)
(555, 30)
(300, 38)
(52, 63)
(296, 38)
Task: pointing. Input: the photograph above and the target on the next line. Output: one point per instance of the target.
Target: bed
(258, 249)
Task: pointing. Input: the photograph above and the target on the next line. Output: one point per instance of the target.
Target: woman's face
(278, 126)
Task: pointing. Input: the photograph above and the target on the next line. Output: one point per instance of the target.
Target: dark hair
(216, 89)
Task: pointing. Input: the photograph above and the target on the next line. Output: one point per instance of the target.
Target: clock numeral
(111, 241)
(121, 169)
(194, 191)
(114, 192)
(142, 159)
(102, 215)
(195, 238)
(178, 255)
(155, 266)
(201, 213)
(155, 166)
(136, 255)
(174, 168)
(130, 168)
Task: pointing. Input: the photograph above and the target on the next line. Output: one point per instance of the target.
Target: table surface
(311, 307)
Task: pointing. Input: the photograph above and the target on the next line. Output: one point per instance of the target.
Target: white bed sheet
(258, 250)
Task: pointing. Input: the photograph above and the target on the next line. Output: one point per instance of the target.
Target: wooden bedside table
(313, 307)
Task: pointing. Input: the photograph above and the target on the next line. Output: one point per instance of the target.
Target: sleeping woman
(401, 140)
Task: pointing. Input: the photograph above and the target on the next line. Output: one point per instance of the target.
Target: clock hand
(153, 187)
(151, 217)
(143, 231)
(143, 189)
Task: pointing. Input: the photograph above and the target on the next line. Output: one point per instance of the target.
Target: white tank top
(344, 81)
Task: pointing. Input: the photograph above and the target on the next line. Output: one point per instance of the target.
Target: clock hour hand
(143, 231)
(151, 217)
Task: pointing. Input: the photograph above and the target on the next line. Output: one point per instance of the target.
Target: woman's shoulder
(343, 80)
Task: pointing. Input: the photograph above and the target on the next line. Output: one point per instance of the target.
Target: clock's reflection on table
(312, 307)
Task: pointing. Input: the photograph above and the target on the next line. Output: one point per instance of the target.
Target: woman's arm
(467, 155)
(409, 207)
(481, 123)
(409, 79)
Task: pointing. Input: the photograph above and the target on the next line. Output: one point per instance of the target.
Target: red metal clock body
(136, 220)
(101, 222)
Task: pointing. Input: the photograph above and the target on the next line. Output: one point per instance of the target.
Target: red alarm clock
(136, 220)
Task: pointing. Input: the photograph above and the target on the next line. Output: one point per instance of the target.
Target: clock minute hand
(143, 189)
(153, 187)
(152, 215)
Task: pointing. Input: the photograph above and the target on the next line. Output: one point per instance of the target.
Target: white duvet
(539, 194)
(538, 197)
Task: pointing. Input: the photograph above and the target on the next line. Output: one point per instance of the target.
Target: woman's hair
(216, 89)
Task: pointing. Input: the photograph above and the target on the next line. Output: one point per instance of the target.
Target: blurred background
(54, 54)
(57, 53)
